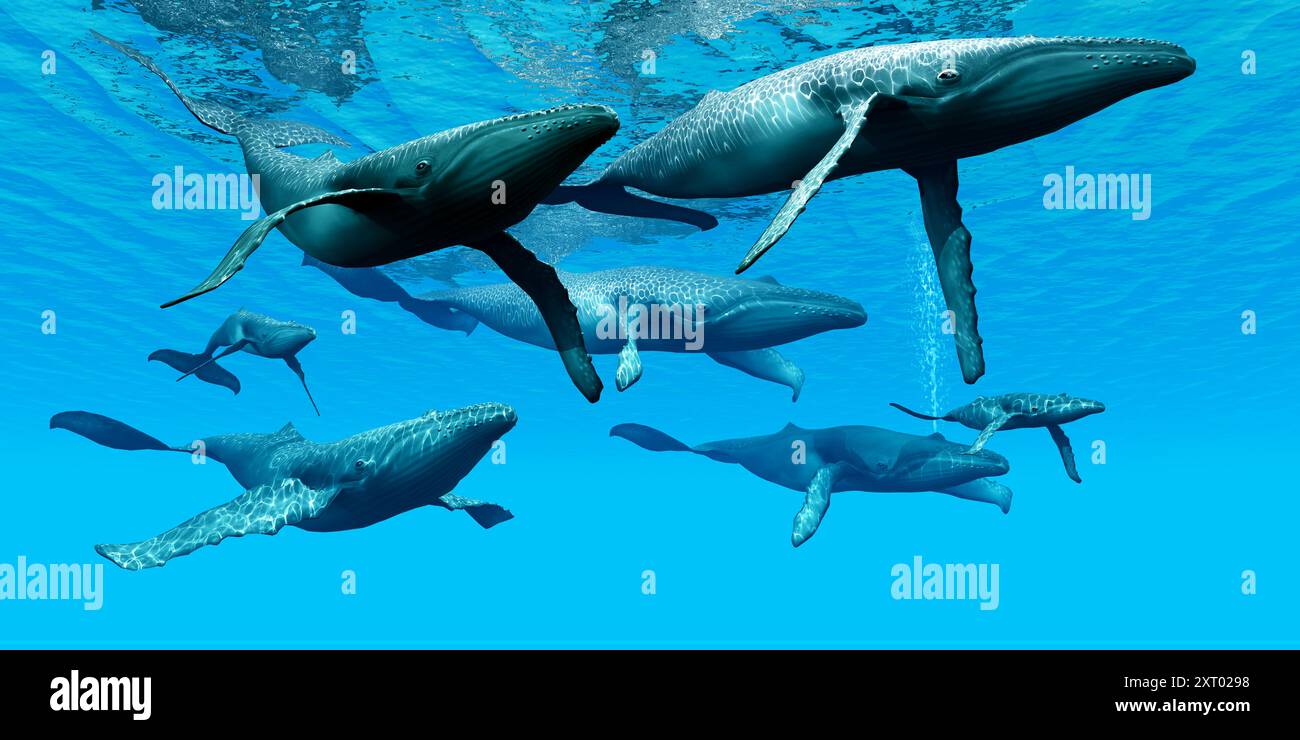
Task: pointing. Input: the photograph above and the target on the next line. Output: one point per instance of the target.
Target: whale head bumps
(283, 338)
(1059, 409)
(427, 454)
(489, 175)
(990, 93)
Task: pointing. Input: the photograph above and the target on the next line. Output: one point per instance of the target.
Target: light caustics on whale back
(989, 414)
(737, 322)
(432, 193)
(248, 332)
(918, 107)
(290, 480)
(807, 97)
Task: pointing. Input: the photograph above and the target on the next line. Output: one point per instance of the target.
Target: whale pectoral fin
(209, 372)
(296, 367)
(486, 514)
(854, 117)
(815, 503)
(1067, 452)
(254, 235)
(766, 364)
(951, 244)
(540, 282)
(227, 351)
(262, 510)
(985, 490)
(629, 360)
(988, 433)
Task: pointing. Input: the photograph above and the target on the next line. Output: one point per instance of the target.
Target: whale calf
(319, 487)
(244, 331)
(462, 186)
(916, 107)
(629, 310)
(1021, 411)
(846, 458)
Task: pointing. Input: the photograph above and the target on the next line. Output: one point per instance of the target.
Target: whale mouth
(953, 466)
(773, 320)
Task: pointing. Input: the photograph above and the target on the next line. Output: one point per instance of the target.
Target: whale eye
(422, 167)
(359, 465)
(1033, 409)
(948, 75)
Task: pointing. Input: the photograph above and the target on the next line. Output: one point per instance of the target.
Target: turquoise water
(1143, 315)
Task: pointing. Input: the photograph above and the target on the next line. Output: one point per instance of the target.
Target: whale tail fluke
(202, 367)
(648, 438)
(906, 410)
(656, 441)
(372, 283)
(226, 121)
(613, 199)
(108, 432)
(440, 314)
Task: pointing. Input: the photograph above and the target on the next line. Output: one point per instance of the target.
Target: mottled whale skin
(742, 319)
(463, 186)
(244, 331)
(918, 107)
(847, 458)
(320, 487)
(989, 414)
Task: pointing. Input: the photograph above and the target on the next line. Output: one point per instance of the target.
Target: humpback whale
(319, 487)
(244, 331)
(846, 458)
(1021, 411)
(916, 107)
(462, 186)
(298, 44)
(734, 321)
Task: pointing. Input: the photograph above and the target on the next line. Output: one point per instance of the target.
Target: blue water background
(1199, 481)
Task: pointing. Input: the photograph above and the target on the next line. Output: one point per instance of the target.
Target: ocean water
(1144, 315)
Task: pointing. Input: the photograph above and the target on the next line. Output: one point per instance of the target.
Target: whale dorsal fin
(937, 435)
(768, 279)
(289, 433)
(326, 157)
